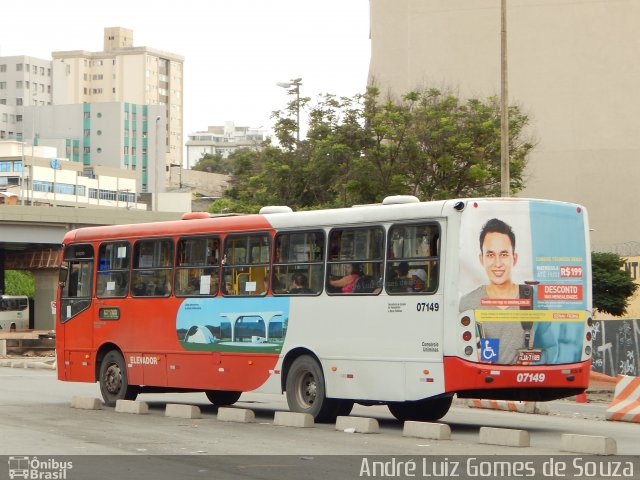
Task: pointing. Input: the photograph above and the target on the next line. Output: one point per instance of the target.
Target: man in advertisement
(500, 341)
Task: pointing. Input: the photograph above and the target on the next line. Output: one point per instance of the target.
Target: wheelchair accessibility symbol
(490, 349)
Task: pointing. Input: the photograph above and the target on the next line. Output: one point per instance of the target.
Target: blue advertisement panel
(523, 277)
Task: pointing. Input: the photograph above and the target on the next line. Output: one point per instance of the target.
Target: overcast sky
(235, 50)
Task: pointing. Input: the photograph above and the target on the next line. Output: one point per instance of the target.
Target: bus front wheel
(428, 410)
(221, 398)
(306, 390)
(114, 384)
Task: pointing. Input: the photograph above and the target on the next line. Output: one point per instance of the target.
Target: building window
(40, 186)
(42, 71)
(18, 118)
(19, 84)
(86, 149)
(3, 85)
(19, 101)
(87, 115)
(5, 166)
(93, 193)
(3, 67)
(34, 69)
(3, 101)
(87, 132)
(18, 67)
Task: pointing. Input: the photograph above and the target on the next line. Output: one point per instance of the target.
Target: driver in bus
(498, 258)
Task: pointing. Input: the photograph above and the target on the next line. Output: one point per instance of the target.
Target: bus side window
(245, 265)
(152, 268)
(76, 290)
(197, 270)
(355, 264)
(298, 264)
(113, 270)
(413, 259)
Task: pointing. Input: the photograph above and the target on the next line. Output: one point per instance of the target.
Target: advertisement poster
(523, 276)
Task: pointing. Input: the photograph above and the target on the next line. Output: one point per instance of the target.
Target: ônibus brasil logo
(34, 469)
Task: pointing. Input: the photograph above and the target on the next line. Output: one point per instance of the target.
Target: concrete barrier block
(293, 419)
(86, 403)
(182, 411)
(357, 424)
(132, 406)
(594, 444)
(504, 436)
(240, 415)
(435, 431)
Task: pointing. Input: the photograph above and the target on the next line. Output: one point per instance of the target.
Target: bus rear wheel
(306, 390)
(428, 410)
(114, 384)
(221, 398)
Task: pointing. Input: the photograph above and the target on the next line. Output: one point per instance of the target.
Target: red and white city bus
(405, 303)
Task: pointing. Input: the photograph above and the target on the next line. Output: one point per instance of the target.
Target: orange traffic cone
(582, 398)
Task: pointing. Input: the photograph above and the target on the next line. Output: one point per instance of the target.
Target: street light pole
(505, 180)
(296, 82)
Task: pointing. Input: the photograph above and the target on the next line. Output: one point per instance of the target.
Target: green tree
(18, 282)
(358, 150)
(213, 164)
(612, 284)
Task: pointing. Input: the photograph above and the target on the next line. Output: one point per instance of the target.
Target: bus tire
(428, 410)
(222, 398)
(306, 390)
(114, 384)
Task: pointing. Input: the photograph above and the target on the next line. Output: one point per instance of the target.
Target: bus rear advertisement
(405, 304)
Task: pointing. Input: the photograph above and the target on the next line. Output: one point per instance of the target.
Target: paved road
(37, 418)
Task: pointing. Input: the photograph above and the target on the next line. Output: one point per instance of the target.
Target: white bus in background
(14, 312)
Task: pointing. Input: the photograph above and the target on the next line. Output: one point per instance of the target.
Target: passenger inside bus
(348, 281)
(300, 285)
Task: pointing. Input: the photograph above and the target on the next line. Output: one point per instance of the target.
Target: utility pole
(505, 180)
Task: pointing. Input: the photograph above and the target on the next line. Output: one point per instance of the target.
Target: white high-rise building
(124, 73)
(25, 81)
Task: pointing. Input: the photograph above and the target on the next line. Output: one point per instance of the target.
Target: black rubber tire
(114, 384)
(222, 398)
(306, 390)
(428, 410)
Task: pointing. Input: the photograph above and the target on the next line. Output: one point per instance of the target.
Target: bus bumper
(515, 382)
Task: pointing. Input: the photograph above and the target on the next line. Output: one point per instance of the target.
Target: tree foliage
(17, 282)
(612, 284)
(213, 164)
(358, 150)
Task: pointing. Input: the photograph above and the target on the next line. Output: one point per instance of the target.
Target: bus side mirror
(62, 277)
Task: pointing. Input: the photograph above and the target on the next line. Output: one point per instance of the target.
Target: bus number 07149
(427, 307)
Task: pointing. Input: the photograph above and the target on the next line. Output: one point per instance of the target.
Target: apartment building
(117, 135)
(572, 67)
(125, 73)
(25, 81)
(38, 176)
(223, 140)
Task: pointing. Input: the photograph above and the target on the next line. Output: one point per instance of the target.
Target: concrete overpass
(30, 239)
